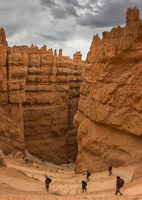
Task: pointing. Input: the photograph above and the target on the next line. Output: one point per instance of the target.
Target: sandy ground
(21, 181)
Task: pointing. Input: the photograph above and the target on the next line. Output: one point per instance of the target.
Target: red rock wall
(39, 96)
(52, 92)
(109, 117)
(11, 97)
(3, 69)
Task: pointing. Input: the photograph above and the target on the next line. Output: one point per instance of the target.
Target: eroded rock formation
(52, 92)
(11, 97)
(39, 93)
(109, 117)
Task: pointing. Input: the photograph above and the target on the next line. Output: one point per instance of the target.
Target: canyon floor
(21, 181)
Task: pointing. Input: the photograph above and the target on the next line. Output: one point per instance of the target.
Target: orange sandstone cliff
(39, 94)
(11, 98)
(109, 116)
(52, 93)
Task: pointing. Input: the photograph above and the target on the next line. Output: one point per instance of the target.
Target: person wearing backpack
(84, 184)
(119, 184)
(87, 176)
(47, 182)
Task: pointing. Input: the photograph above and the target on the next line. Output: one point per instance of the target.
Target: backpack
(48, 180)
(110, 168)
(122, 182)
(89, 174)
(84, 183)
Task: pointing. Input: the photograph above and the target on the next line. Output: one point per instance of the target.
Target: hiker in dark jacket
(47, 182)
(118, 185)
(87, 176)
(110, 170)
(84, 184)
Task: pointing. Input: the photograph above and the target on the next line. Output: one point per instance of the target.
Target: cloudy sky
(66, 24)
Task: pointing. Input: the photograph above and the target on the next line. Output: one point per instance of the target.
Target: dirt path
(24, 182)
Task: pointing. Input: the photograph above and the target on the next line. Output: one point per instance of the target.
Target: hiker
(110, 170)
(119, 184)
(84, 184)
(47, 182)
(87, 176)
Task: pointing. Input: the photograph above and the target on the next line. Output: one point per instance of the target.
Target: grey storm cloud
(57, 36)
(62, 13)
(61, 10)
(75, 3)
(106, 13)
(17, 16)
(94, 14)
(4, 10)
(53, 3)
(11, 30)
(67, 24)
(48, 3)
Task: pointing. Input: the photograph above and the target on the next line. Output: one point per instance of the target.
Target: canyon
(39, 93)
(61, 109)
(109, 116)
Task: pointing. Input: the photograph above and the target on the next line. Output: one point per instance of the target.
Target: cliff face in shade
(39, 94)
(52, 92)
(109, 116)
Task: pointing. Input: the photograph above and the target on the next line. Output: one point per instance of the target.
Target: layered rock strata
(52, 92)
(109, 116)
(11, 97)
(39, 94)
